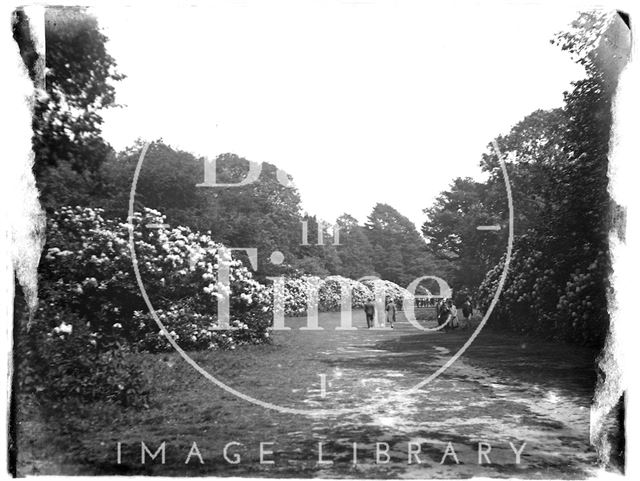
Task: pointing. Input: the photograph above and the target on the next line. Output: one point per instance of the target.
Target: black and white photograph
(364, 239)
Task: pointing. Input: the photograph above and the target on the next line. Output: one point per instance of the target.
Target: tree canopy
(399, 252)
(67, 121)
(558, 167)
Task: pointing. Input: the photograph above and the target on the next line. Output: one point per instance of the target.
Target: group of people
(390, 312)
(425, 302)
(447, 314)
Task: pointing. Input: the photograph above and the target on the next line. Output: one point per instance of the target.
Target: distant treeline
(263, 214)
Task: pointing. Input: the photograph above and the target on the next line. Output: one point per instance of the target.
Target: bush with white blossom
(88, 268)
(297, 292)
(92, 314)
(390, 290)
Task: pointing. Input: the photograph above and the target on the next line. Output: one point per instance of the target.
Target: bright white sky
(362, 102)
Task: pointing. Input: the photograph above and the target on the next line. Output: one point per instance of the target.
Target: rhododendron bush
(92, 315)
(389, 289)
(88, 268)
(301, 291)
(73, 363)
(536, 300)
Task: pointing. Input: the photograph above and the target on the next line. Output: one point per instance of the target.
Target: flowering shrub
(69, 362)
(295, 292)
(529, 291)
(532, 302)
(92, 313)
(583, 302)
(390, 289)
(331, 291)
(194, 331)
(297, 289)
(87, 268)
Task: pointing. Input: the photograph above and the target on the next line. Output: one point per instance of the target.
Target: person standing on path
(391, 312)
(467, 310)
(369, 312)
(452, 313)
(441, 312)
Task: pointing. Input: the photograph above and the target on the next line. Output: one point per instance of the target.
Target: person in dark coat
(467, 311)
(369, 312)
(442, 313)
(391, 312)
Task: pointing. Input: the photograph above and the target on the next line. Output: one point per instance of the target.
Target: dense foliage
(400, 254)
(300, 292)
(67, 121)
(92, 315)
(558, 167)
(88, 268)
(267, 215)
(72, 363)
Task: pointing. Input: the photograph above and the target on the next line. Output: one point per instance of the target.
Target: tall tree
(312, 258)
(79, 78)
(355, 251)
(79, 84)
(167, 181)
(400, 253)
(558, 280)
(263, 214)
(533, 151)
